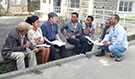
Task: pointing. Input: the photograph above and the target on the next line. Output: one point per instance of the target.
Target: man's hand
(106, 43)
(35, 50)
(27, 45)
(73, 36)
(37, 39)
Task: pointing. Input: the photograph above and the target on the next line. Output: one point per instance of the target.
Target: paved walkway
(93, 68)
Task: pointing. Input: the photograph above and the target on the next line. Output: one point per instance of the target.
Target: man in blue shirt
(73, 31)
(116, 41)
(50, 32)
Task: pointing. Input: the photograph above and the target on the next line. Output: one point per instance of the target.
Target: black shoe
(102, 53)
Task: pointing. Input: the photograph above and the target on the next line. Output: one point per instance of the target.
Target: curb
(40, 67)
(131, 37)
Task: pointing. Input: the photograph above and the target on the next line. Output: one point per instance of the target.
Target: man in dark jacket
(106, 31)
(17, 46)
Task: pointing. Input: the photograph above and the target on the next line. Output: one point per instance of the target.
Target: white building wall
(133, 8)
(46, 7)
(91, 7)
(64, 8)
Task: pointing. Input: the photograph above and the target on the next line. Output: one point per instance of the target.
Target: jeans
(117, 50)
(76, 43)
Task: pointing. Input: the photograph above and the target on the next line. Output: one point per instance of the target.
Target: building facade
(65, 7)
(13, 7)
(98, 8)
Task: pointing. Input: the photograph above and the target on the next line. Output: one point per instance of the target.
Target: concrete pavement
(93, 68)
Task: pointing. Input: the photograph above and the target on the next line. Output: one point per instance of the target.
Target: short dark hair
(117, 17)
(75, 13)
(31, 19)
(51, 15)
(92, 18)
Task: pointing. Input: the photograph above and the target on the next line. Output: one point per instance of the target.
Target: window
(16, 2)
(58, 2)
(125, 6)
(49, 1)
(121, 6)
(75, 3)
(130, 6)
(44, 1)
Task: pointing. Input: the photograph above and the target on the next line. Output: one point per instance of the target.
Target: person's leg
(31, 58)
(117, 50)
(77, 44)
(85, 46)
(19, 57)
(45, 54)
(52, 53)
(103, 50)
(42, 55)
(62, 51)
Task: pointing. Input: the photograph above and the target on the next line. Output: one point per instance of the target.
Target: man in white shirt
(116, 41)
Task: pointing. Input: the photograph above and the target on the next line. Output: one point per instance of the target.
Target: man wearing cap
(50, 32)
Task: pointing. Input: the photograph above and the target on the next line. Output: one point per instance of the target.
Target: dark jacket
(13, 44)
(105, 31)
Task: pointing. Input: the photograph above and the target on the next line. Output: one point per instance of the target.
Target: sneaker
(118, 58)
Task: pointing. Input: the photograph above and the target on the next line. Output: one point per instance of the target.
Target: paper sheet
(43, 45)
(94, 42)
(58, 43)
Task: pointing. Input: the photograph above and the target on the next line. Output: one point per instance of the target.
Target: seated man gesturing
(17, 46)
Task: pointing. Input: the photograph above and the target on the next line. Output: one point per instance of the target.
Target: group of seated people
(35, 42)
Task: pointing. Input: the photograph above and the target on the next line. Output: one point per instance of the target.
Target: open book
(43, 45)
(58, 43)
(94, 42)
